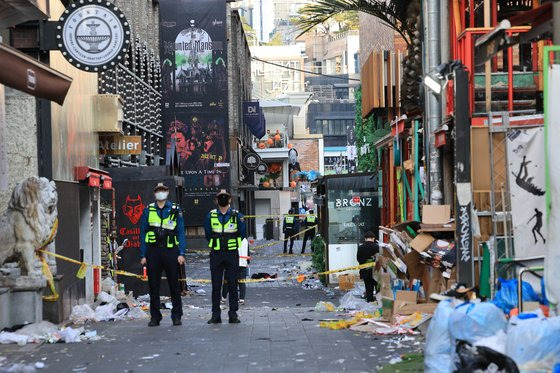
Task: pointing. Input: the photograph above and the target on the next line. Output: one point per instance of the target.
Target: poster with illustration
(526, 167)
(195, 97)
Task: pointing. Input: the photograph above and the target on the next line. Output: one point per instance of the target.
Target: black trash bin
(269, 229)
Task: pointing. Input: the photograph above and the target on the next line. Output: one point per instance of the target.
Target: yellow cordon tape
(284, 239)
(299, 277)
(45, 266)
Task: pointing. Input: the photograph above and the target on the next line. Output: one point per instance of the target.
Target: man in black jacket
(366, 254)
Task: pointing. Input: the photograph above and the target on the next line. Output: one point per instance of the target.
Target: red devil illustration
(133, 208)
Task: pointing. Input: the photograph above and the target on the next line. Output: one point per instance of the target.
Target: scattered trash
(81, 314)
(324, 307)
(412, 321)
(149, 357)
(39, 365)
(71, 335)
(306, 319)
(38, 332)
(105, 313)
(350, 302)
(200, 291)
(395, 360)
(9, 338)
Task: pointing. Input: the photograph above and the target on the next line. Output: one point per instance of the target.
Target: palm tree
(393, 13)
(403, 16)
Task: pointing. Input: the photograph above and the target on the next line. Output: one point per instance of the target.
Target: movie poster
(195, 102)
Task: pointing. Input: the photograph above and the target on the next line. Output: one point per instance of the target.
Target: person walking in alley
(289, 228)
(366, 254)
(162, 248)
(244, 260)
(225, 230)
(309, 222)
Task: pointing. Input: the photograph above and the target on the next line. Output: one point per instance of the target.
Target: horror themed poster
(195, 108)
(526, 167)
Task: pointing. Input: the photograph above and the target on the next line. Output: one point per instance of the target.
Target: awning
(94, 177)
(28, 75)
(13, 12)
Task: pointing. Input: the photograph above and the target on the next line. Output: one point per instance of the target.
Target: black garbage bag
(479, 359)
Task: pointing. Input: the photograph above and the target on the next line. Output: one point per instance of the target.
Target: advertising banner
(195, 97)
(253, 118)
(527, 186)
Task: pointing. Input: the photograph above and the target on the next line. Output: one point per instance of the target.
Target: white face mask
(161, 196)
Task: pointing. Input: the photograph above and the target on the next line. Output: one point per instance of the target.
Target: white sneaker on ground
(223, 301)
(241, 301)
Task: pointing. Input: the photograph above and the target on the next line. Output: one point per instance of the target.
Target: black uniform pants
(224, 261)
(242, 285)
(290, 234)
(307, 236)
(370, 285)
(163, 259)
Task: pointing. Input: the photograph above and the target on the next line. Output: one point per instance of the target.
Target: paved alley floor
(279, 332)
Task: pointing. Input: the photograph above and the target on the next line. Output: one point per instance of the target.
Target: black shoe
(153, 322)
(177, 322)
(234, 320)
(284, 253)
(291, 253)
(215, 320)
(303, 251)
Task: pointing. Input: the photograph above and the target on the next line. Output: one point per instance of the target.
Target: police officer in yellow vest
(225, 229)
(290, 227)
(162, 248)
(310, 221)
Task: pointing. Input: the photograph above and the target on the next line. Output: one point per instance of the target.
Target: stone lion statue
(28, 222)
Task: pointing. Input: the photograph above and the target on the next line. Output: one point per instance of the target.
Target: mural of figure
(524, 181)
(538, 225)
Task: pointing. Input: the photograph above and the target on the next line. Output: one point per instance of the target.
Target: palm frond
(392, 13)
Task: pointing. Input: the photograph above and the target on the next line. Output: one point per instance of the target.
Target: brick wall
(374, 36)
(308, 153)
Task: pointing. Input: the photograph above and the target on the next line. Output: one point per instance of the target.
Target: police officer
(162, 247)
(225, 229)
(310, 221)
(289, 228)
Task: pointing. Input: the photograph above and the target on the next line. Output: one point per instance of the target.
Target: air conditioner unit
(108, 113)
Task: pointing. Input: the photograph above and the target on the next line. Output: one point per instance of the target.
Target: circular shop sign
(262, 169)
(251, 161)
(93, 35)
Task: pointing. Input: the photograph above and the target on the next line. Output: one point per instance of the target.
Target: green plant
(367, 161)
(318, 258)
(393, 13)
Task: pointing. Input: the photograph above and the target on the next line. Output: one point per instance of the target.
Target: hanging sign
(251, 161)
(93, 35)
(262, 169)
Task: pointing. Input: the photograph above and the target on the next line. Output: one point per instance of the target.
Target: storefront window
(351, 215)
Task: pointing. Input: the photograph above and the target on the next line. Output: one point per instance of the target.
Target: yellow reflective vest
(224, 235)
(168, 226)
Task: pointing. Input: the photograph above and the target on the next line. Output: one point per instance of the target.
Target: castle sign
(93, 35)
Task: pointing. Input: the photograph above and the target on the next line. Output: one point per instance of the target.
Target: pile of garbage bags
(107, 308)
(476, 335)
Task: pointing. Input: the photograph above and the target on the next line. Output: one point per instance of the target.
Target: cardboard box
(409, 309)
(530, 306)
(402, 299)
(414, 268)
(387, 304)
(436, 214)
(346, 282)
(422, 242)
(385, 286)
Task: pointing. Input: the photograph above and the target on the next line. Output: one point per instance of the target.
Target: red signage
(356, 199)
